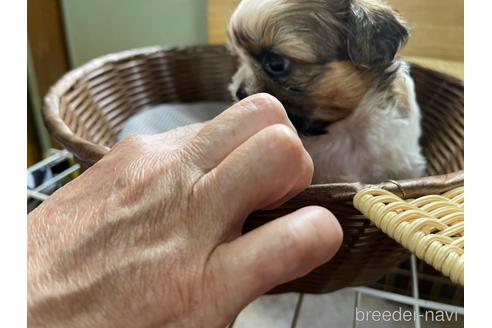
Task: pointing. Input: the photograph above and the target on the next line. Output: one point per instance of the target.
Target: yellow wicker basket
(432, 227)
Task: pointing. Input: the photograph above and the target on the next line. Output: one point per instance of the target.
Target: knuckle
(135, 140)
(132, 145)
(286, 145)
(308, 167)
(284, 140)
(269, 104)
(326, 230)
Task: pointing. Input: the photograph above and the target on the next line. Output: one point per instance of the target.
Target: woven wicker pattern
(432, 227)
(87, 108)
(90, 105)
(441, 100)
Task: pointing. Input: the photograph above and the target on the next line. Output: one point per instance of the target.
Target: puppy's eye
(276, 65)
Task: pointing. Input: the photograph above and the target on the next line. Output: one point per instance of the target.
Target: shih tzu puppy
(333, 65)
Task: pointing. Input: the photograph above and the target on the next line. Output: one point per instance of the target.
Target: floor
(329, 310)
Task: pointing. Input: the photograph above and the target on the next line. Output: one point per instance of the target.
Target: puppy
(333, 65)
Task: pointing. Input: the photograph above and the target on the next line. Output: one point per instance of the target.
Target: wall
(98, 27)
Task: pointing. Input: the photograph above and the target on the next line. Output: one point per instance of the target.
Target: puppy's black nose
(241, 93)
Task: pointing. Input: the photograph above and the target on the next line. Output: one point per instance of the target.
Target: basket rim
(91, 152)
(405, 189)
(60, 131)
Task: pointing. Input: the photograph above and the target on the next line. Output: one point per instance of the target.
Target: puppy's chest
(337, 159)
(353, 155)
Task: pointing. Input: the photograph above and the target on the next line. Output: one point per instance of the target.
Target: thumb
(277, 252)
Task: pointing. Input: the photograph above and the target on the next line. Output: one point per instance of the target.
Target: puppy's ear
(375, 33)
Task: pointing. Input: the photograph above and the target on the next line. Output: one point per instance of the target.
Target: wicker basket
(87, 108)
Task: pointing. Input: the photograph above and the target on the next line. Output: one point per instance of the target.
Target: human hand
(151, 234)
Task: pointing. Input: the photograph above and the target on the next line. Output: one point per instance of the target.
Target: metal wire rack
(48, 175)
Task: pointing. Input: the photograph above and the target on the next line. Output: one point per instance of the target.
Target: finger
(302, 183)
(275, 253)
(220, 136)
(259, 173)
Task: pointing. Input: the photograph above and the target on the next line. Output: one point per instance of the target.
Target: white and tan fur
(377, 142)
(374, 131)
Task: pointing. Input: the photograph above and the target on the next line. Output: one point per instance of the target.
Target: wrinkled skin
(150, 235)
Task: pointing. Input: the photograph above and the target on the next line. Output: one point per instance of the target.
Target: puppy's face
(318, 57)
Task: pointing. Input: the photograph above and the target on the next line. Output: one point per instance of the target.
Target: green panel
(98, 27)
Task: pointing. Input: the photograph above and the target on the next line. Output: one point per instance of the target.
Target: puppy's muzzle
(241, 93)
